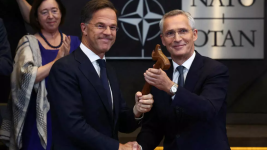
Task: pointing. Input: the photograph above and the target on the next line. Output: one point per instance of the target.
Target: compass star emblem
(131, 18)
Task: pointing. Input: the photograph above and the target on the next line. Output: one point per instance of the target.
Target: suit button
(178, 136)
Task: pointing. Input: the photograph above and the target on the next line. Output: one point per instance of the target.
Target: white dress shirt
(187, 64)
(93, 57)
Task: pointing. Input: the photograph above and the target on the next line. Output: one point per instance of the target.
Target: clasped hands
(144, 103)
(130, 146)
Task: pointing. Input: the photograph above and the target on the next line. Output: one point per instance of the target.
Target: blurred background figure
(5, 58)
(5, 53)
(15, 29)
(35, 55)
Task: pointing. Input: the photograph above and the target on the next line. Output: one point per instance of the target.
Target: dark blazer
(82, 118)
(6, 66)
(196, 118)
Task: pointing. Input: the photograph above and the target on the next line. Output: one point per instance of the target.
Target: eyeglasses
(104, 27)
(46, 11)
(181, 33)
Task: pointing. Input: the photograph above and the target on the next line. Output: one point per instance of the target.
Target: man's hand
(159, 79)
(143, 104)
(129, 146)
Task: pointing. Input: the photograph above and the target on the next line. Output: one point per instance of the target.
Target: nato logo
(138, 21)
(141, 19)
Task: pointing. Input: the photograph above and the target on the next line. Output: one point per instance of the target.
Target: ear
(84, 28)
(162, 40)
(195, 34)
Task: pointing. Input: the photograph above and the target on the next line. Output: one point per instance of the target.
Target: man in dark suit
(190, 98)
(86, 104)
(5, 52)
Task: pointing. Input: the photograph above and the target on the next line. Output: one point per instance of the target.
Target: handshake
(130, 146)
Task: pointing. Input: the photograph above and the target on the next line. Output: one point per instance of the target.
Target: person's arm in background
(25, 9)
(5, 52)
(64, 50)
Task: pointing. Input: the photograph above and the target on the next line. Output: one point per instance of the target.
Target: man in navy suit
(190, 98)
(5, 52)
(86, 104)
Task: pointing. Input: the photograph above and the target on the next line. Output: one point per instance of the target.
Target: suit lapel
(193, 73)
(90, 73)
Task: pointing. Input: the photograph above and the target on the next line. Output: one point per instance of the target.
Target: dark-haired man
(86, 104)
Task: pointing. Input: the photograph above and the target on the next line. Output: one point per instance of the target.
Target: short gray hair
(174, 13)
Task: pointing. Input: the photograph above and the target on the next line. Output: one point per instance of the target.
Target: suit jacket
(196, 118)
(82, 118)
(5, 52)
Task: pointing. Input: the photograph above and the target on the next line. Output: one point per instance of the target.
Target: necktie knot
(180, 69)
(102, 63)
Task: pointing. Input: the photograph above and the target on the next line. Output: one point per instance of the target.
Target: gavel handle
(147, 87)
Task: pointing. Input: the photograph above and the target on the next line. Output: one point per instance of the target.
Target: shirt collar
(187, 64)
(89, 53)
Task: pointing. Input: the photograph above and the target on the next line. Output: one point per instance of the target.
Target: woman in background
(31, 118)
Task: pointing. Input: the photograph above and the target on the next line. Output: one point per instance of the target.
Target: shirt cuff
(140, 147)
(140, 117)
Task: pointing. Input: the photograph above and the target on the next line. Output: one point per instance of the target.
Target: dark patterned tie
(104, 79)
(181, 76)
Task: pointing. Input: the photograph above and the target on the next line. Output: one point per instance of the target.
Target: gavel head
(162, 61)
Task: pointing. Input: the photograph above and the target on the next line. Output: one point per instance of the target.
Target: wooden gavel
(162, 62)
